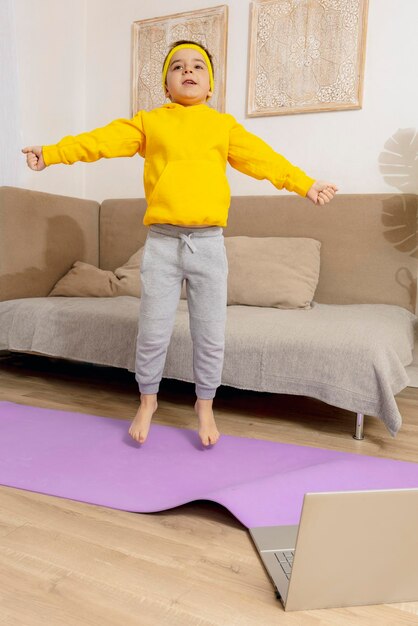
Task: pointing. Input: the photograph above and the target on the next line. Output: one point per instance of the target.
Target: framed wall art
(306, 56)
(151, 40)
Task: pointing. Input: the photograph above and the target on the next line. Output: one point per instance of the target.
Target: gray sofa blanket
(349, 356)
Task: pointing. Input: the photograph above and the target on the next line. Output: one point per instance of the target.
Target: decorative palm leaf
(399, 165)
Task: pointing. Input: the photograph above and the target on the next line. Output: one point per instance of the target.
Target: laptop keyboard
(285, 559)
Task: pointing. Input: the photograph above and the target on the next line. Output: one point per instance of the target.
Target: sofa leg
(359, 427)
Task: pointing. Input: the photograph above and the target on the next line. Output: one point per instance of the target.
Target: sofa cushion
(350, 356)
(280, 272)
(86, 280)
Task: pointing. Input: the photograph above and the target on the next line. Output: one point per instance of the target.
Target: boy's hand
(321, 192)
(34, 158)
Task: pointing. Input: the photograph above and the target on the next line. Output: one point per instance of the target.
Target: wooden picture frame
(306, 56)
(151, 41)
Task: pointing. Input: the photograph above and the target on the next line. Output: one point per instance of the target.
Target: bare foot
(208, 432)
(142, 420)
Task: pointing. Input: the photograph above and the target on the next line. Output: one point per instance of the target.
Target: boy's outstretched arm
(120, 138)
(253, 156)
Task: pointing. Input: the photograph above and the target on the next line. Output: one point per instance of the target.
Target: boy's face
(187, 80)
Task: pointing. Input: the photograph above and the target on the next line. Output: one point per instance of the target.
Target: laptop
(350, 548)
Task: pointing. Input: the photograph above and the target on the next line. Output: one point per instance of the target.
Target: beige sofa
(349, 350)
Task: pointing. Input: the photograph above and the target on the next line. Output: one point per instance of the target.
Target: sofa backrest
(369, 241)
(41, 235)
(368, 255)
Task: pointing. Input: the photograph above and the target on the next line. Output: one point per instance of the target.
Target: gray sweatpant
(171, 254)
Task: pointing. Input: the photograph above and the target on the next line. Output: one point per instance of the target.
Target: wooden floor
(63, 562)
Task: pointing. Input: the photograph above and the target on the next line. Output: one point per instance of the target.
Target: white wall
(51, 68)
(11, 172)
(75, 75)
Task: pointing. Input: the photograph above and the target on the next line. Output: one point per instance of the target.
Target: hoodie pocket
(191, 185)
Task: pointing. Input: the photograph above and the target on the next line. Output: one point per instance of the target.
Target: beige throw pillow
(86, 280)
(280, 272)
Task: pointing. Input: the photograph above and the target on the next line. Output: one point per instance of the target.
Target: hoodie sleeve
(120, 138)
(251, 155)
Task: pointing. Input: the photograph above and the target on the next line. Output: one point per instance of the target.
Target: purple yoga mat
(93, 459)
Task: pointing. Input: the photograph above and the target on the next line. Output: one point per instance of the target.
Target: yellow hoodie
(186, 149)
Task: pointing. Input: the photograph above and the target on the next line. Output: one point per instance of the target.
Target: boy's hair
(197, 43)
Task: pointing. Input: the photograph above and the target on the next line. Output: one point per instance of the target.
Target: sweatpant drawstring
(187, 239)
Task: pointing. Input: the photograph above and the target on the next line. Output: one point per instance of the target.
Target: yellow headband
(195, 47)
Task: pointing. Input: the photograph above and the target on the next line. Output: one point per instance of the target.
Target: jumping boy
(186, 145)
